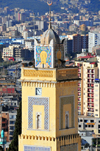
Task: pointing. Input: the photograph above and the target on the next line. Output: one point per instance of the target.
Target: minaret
(49, 4)
(49, 100)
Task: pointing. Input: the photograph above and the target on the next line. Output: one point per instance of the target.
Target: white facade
(94, 39)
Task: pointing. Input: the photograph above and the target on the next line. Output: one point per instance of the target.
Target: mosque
(49, 99)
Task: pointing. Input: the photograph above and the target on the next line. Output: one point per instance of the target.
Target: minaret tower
(49, 99)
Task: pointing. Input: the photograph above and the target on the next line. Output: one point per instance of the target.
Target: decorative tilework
(35, 148)
(38, 101)
(71, 147)
(48, 50)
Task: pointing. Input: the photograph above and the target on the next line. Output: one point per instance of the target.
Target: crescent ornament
(49, 3)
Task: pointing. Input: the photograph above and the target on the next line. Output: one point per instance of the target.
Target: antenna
(49, 4)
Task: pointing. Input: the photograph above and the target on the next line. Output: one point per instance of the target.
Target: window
(96, 109)
(81, 120)
(38, 122)
(98, 126)
(92, 121)
(96, 114)
(85, 121)
(66, 121)
(11, 138)
(12, 122)
(11, 133)
(12, 127)
(98, 131)
(3, 125)
(79, 126)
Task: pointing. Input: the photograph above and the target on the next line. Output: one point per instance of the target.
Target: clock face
(38, 91)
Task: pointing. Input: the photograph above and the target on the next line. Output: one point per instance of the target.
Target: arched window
(38, 122)
(66, 120)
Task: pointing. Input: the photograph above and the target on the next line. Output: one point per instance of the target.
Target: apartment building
(8, 52)
(97, 98)
(12, 119)
(89, 94)
(94, 39)
(4, 122)
(86, 123)
(88, 72)
(76, 43)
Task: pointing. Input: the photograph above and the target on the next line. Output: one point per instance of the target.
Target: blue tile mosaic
(38, 101)
(34, 148)
(48, 50)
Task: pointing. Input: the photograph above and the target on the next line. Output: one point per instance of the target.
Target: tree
(14, 144)
(1, 149)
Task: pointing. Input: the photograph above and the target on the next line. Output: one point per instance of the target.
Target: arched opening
(38, 122)
(66, 121)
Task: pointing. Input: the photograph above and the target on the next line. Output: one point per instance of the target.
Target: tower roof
(48, 35)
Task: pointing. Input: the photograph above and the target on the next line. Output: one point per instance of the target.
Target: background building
(94, 39)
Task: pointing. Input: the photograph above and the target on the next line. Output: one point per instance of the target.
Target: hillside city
(79, 32)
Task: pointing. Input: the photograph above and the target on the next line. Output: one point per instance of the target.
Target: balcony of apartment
(79, 108)
(90, 100)
(90, 90)
(90, 114)
(91, 71)
(79, 99)
(90, 85)
(4, 126)
(79, 94)
(79, 103)
(79, 89)
(90, 76)
(79, 84)
(91, 109)
(79, 70)
(79, 64)
(90, 95)
(90, 80)
(90, 105)
(79, 75)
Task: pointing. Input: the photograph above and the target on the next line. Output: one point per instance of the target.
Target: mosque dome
(48, 35)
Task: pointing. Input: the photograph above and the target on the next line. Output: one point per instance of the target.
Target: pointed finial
(49, 4)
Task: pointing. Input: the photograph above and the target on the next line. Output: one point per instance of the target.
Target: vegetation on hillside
(35, 5)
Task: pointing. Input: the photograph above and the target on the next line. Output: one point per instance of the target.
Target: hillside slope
(94, 5)
(35, 5)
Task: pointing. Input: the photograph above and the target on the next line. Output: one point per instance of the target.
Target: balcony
(91, 76)
(79, 89)
(79, 99)
(90, 100)
(91, 109)
(91, 71)
(79, 70)
(79, 94)
(90, 90)
(48, 74)
(90, 80)
(79, 75)
(90, 85)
